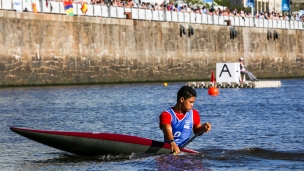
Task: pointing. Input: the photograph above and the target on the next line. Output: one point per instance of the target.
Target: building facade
(261, 5)
(269, 5)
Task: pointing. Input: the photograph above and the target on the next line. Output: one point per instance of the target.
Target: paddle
(191, 139)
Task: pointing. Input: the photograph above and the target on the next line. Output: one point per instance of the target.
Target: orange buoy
(213, 91)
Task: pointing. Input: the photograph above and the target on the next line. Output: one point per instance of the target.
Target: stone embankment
(39, 49)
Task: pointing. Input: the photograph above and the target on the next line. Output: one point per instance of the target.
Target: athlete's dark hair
(186, 92)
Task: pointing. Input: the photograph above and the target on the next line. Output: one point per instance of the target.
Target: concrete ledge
(249, 84)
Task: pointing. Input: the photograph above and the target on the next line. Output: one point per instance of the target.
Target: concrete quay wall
(39, 49)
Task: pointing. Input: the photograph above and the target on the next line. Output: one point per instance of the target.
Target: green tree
(224, 3)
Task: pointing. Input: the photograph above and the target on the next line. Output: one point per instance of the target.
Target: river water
(253, 129)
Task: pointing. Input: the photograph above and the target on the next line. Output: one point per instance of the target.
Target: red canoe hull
(90, 143)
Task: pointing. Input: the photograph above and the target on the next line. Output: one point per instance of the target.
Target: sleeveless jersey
(181, 129)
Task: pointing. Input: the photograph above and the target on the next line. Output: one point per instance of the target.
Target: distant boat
(91, 143)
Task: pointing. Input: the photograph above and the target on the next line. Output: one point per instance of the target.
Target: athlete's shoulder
(165, 117)
(165, 112)
(195, 112)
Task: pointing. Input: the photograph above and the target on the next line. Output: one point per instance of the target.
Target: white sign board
(174, 16)
(46, 7)
(97, 10)
(198, 18)
(148, 15)
(142, 14)
(261, 22)
(161, 15)
(251, 22)
(270, 23)
(17, 5)
(232, 20)
(221, 20)
(181, 17)
(292, 25)
(7, 4)
(274, 24)
(90, 11)
(104, 11)
(228, 72)
(168, 16)
(247, 22)
(120, 12)
(209, 19)
(215, 19)
(187, 17)
(300, 25)
(204, 19)
(113, 12)
(55, 7)
(242, 21)
(193, 17)
(279, 24)
(134, 12)
(236, 21)
(155, 15)
(265, 24)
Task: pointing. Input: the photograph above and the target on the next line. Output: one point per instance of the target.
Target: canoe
(96, 143)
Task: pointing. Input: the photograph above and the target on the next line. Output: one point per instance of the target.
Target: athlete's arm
(165, 125)
(167, 129)
(197, 126)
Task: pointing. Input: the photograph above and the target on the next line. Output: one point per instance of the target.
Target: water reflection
(252, 128)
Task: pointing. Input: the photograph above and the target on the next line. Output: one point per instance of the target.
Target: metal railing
(98, 10)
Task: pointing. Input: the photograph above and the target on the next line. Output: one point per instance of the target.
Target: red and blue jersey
(182, 124)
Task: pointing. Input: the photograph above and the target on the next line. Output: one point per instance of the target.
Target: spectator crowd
(193, 9)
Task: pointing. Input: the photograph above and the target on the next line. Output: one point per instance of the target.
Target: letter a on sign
(225, 69)
(227, 72)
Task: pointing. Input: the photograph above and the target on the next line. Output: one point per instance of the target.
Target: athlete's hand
(207, 126)
(174, 148)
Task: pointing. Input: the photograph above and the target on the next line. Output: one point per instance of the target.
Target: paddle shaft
(191, 139)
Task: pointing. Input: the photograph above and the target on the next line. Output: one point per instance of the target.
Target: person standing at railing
(157, 6)
(115, 3)
(189, 8)
(135, 3)
(297, 18)
(261, 15)
(198, 10)
(234, 12)
(204, 10)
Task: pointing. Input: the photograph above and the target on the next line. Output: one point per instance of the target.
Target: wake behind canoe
(91, 144)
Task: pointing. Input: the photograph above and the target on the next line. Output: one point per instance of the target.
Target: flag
(68, 7)
(34, 7)
(285, 5)
(84, 8)
(250, 3)
(212, 78)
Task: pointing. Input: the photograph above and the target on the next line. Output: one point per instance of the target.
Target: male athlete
(179, 121)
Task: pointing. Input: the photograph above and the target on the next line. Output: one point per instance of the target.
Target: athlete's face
(187, 104)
